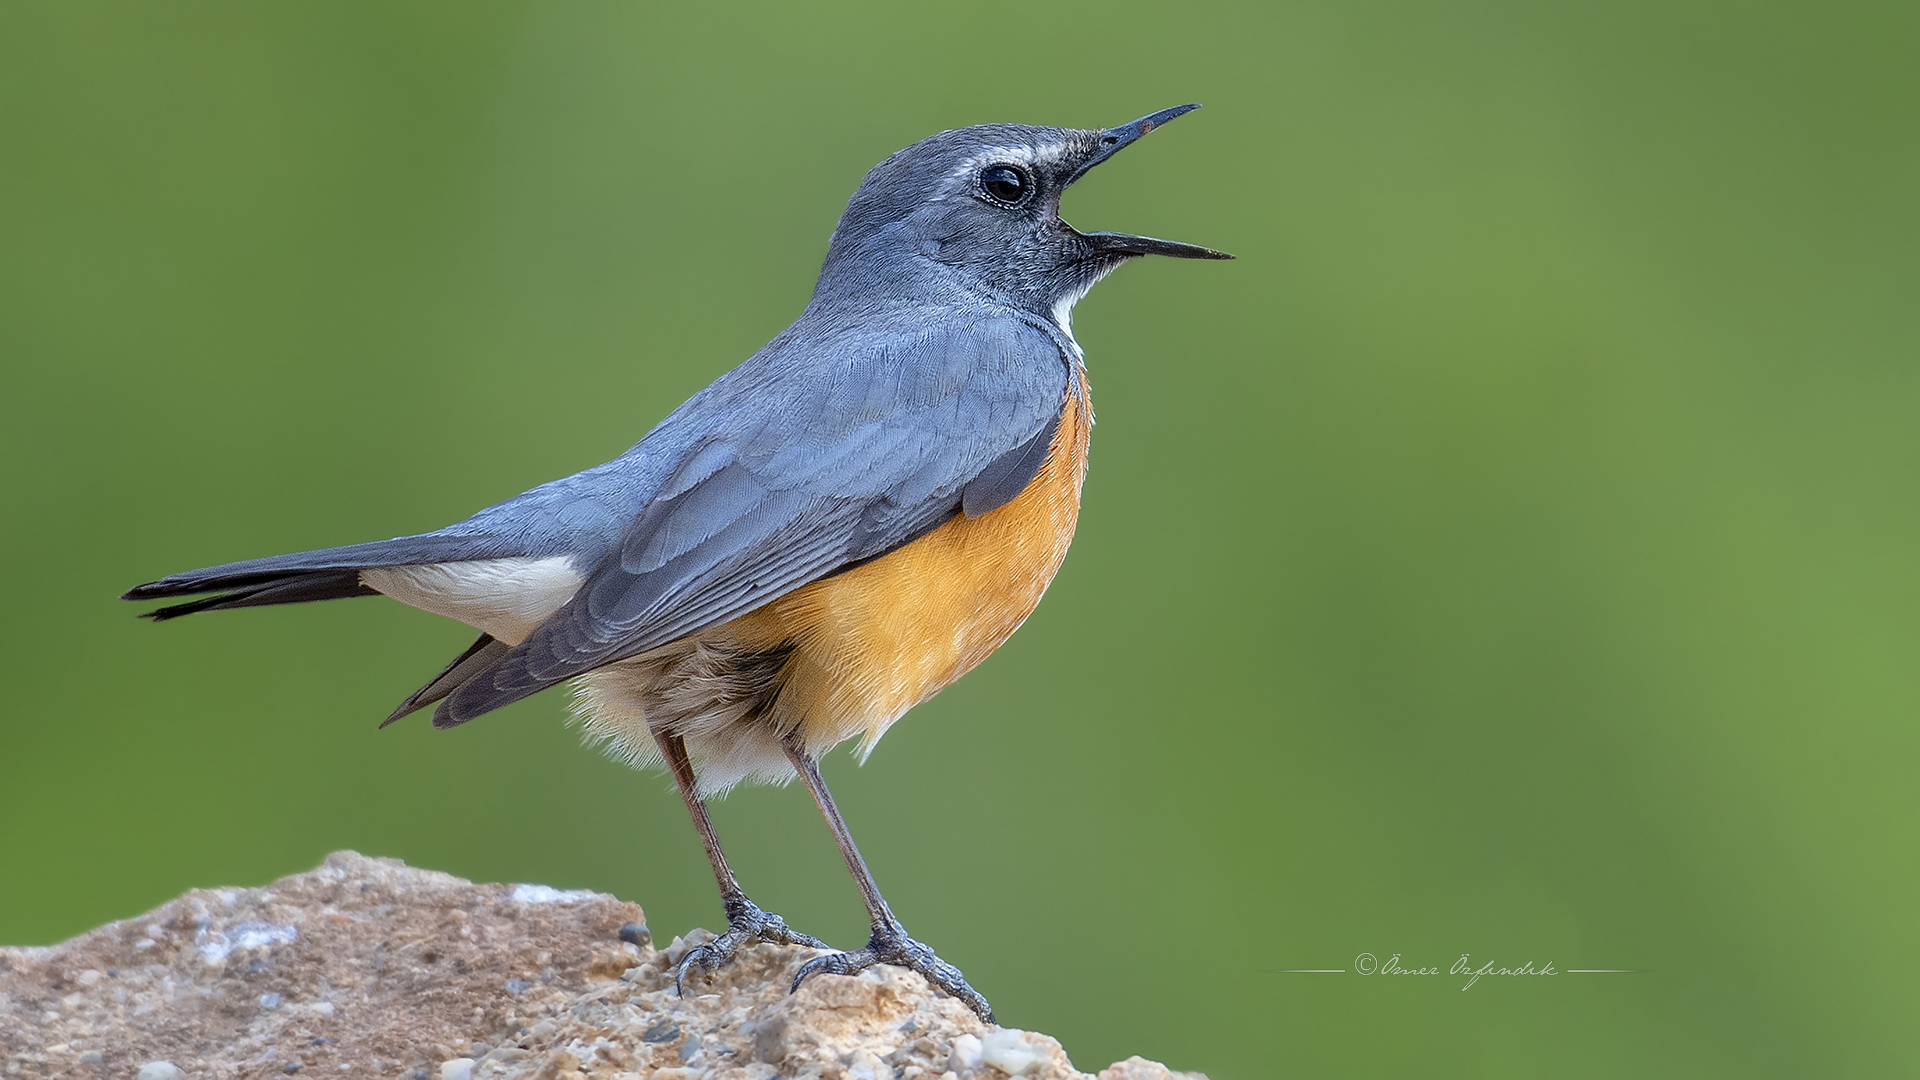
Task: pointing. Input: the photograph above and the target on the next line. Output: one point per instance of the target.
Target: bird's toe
(747, 923)
(898, 949)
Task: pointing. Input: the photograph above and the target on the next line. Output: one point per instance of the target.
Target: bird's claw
(747, 923)
(896, 948)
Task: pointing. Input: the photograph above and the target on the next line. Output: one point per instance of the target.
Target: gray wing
(807, 464)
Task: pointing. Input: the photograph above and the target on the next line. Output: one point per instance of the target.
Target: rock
(368, 967)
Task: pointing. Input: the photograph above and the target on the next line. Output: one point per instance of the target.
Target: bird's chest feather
(872, 642)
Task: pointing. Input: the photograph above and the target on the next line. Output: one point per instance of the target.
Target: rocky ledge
(371, 968)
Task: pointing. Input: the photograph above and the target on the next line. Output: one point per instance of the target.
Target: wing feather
(808, 463)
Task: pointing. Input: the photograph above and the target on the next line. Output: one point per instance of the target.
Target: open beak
(1116, 243)
(1112, 141)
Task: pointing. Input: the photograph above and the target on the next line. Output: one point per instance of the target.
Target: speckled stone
(369, 967)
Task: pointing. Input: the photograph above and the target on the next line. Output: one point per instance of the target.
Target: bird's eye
(1004, 183)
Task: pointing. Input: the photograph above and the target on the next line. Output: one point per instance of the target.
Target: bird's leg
(746, 922)
(889, 943)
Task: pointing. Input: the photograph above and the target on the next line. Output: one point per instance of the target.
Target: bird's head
(978, 208)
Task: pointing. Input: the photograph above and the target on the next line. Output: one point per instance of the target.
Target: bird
(825, 536)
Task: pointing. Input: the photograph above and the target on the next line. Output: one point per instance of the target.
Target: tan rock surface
(369, 967)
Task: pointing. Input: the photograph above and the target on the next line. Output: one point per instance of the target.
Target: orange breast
(874, 641)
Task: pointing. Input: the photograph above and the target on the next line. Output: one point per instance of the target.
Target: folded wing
(882, 437)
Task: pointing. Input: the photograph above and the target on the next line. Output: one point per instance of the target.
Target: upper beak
(1112, 140)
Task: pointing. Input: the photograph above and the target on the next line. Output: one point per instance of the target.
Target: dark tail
(255, 590)
(479, 657)
(331, 574)
(327, 574)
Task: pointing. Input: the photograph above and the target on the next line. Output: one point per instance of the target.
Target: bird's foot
(746, 924)
(891, 945)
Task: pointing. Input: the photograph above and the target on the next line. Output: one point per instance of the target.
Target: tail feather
(257, 590)
(334, 573)
(403, 551)
(480, 656)
(326, 574)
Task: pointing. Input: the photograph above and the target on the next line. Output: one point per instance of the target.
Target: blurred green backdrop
(1515, 553)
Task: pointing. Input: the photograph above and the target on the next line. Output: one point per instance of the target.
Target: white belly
(503, 597)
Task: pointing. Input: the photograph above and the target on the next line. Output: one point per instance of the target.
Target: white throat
(1063, 307)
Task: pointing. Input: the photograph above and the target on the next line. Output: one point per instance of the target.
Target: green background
(1515, 553)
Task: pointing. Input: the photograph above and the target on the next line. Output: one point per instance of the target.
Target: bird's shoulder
(829, 376)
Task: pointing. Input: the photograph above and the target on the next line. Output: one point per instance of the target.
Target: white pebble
(965, 1056)
(159, 1070)
(457, 1069)
(547, 894)
(253, 935)
(866, 1066)
(697, 936)
(1009, 1050)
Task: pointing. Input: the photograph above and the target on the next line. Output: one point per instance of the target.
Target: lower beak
(1112, 141)
(1113, 243)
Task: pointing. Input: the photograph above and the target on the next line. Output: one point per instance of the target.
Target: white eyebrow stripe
(1046, 154)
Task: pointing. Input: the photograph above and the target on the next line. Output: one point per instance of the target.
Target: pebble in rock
(661, 1031)
(160, 1070)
